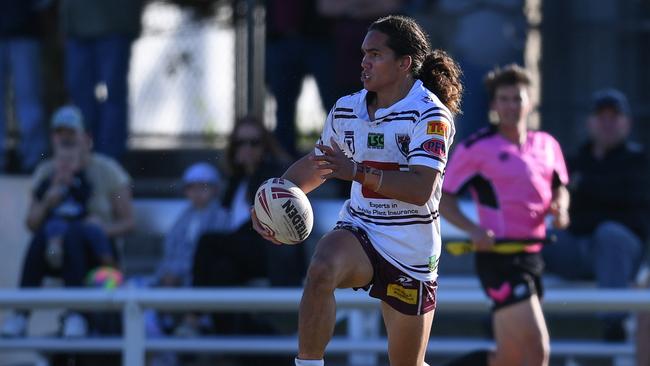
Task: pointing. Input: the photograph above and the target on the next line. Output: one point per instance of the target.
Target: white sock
(300, 362)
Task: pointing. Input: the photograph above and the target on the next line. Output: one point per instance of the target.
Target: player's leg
(408, 336)
(514, 286)
(521, 335)
(338, 262)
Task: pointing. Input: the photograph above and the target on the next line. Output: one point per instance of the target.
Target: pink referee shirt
(512, 185)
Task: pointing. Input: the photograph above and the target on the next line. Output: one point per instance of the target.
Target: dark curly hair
(511, 74)
(437, 70)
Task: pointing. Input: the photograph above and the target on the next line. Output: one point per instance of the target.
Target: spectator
(610, 208)
(298, 44)
(516, 177)
(203, 213)
(253, 155)
(66, 191)
(20, 51)
(201, 184)
(98, 36)
(109, 208)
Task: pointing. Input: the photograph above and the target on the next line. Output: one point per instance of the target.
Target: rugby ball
(284, 209)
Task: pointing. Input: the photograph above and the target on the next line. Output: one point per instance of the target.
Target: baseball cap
(201, 173)
(610, 98)
(68, 116)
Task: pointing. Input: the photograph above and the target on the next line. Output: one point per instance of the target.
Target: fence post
(133, 351)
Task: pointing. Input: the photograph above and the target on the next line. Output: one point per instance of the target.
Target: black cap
(610, 98)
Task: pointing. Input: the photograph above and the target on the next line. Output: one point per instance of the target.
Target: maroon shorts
(399, 290)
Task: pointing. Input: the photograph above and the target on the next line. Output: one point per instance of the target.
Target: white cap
(201, 173)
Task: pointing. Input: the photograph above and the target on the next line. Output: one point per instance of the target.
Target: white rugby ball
(284, 209)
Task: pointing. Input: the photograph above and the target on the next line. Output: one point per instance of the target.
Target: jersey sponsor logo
(435, 147)
(437, 128)
(349, 140)
(375, 140)
(433, 263)
(409, 296)
(403, 140)
(405, 281)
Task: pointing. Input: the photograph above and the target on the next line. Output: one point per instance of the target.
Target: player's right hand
(257, 226)
(483, 239)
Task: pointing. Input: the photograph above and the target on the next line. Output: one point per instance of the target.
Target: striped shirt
(417, 130)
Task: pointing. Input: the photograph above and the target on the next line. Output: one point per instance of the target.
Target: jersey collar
(361, 109)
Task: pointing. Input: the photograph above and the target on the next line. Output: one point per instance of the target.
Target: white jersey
(417, 130)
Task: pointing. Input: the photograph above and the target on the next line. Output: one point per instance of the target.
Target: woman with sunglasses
(252, 156)
(390, 139)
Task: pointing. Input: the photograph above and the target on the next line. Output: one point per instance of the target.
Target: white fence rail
(132, 301)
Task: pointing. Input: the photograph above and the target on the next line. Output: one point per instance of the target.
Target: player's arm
(414, 186)
(560, 207)
(304, 173)
(450, 209)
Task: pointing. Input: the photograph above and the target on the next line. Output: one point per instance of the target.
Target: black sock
(476, 358)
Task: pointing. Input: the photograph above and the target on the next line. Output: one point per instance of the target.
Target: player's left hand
(334, 160)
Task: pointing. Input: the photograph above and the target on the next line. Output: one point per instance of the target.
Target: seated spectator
(203, 213)
(610, 207)
(224, 259)
(109, 209)
(201, 183)
(67, 192)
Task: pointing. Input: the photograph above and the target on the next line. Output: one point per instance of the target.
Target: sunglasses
(250, 142)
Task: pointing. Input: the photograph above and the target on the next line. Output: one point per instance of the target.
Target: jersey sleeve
(430, 138)
(328, 132)
(461, 169)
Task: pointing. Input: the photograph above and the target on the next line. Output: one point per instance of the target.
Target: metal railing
(132, 301)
